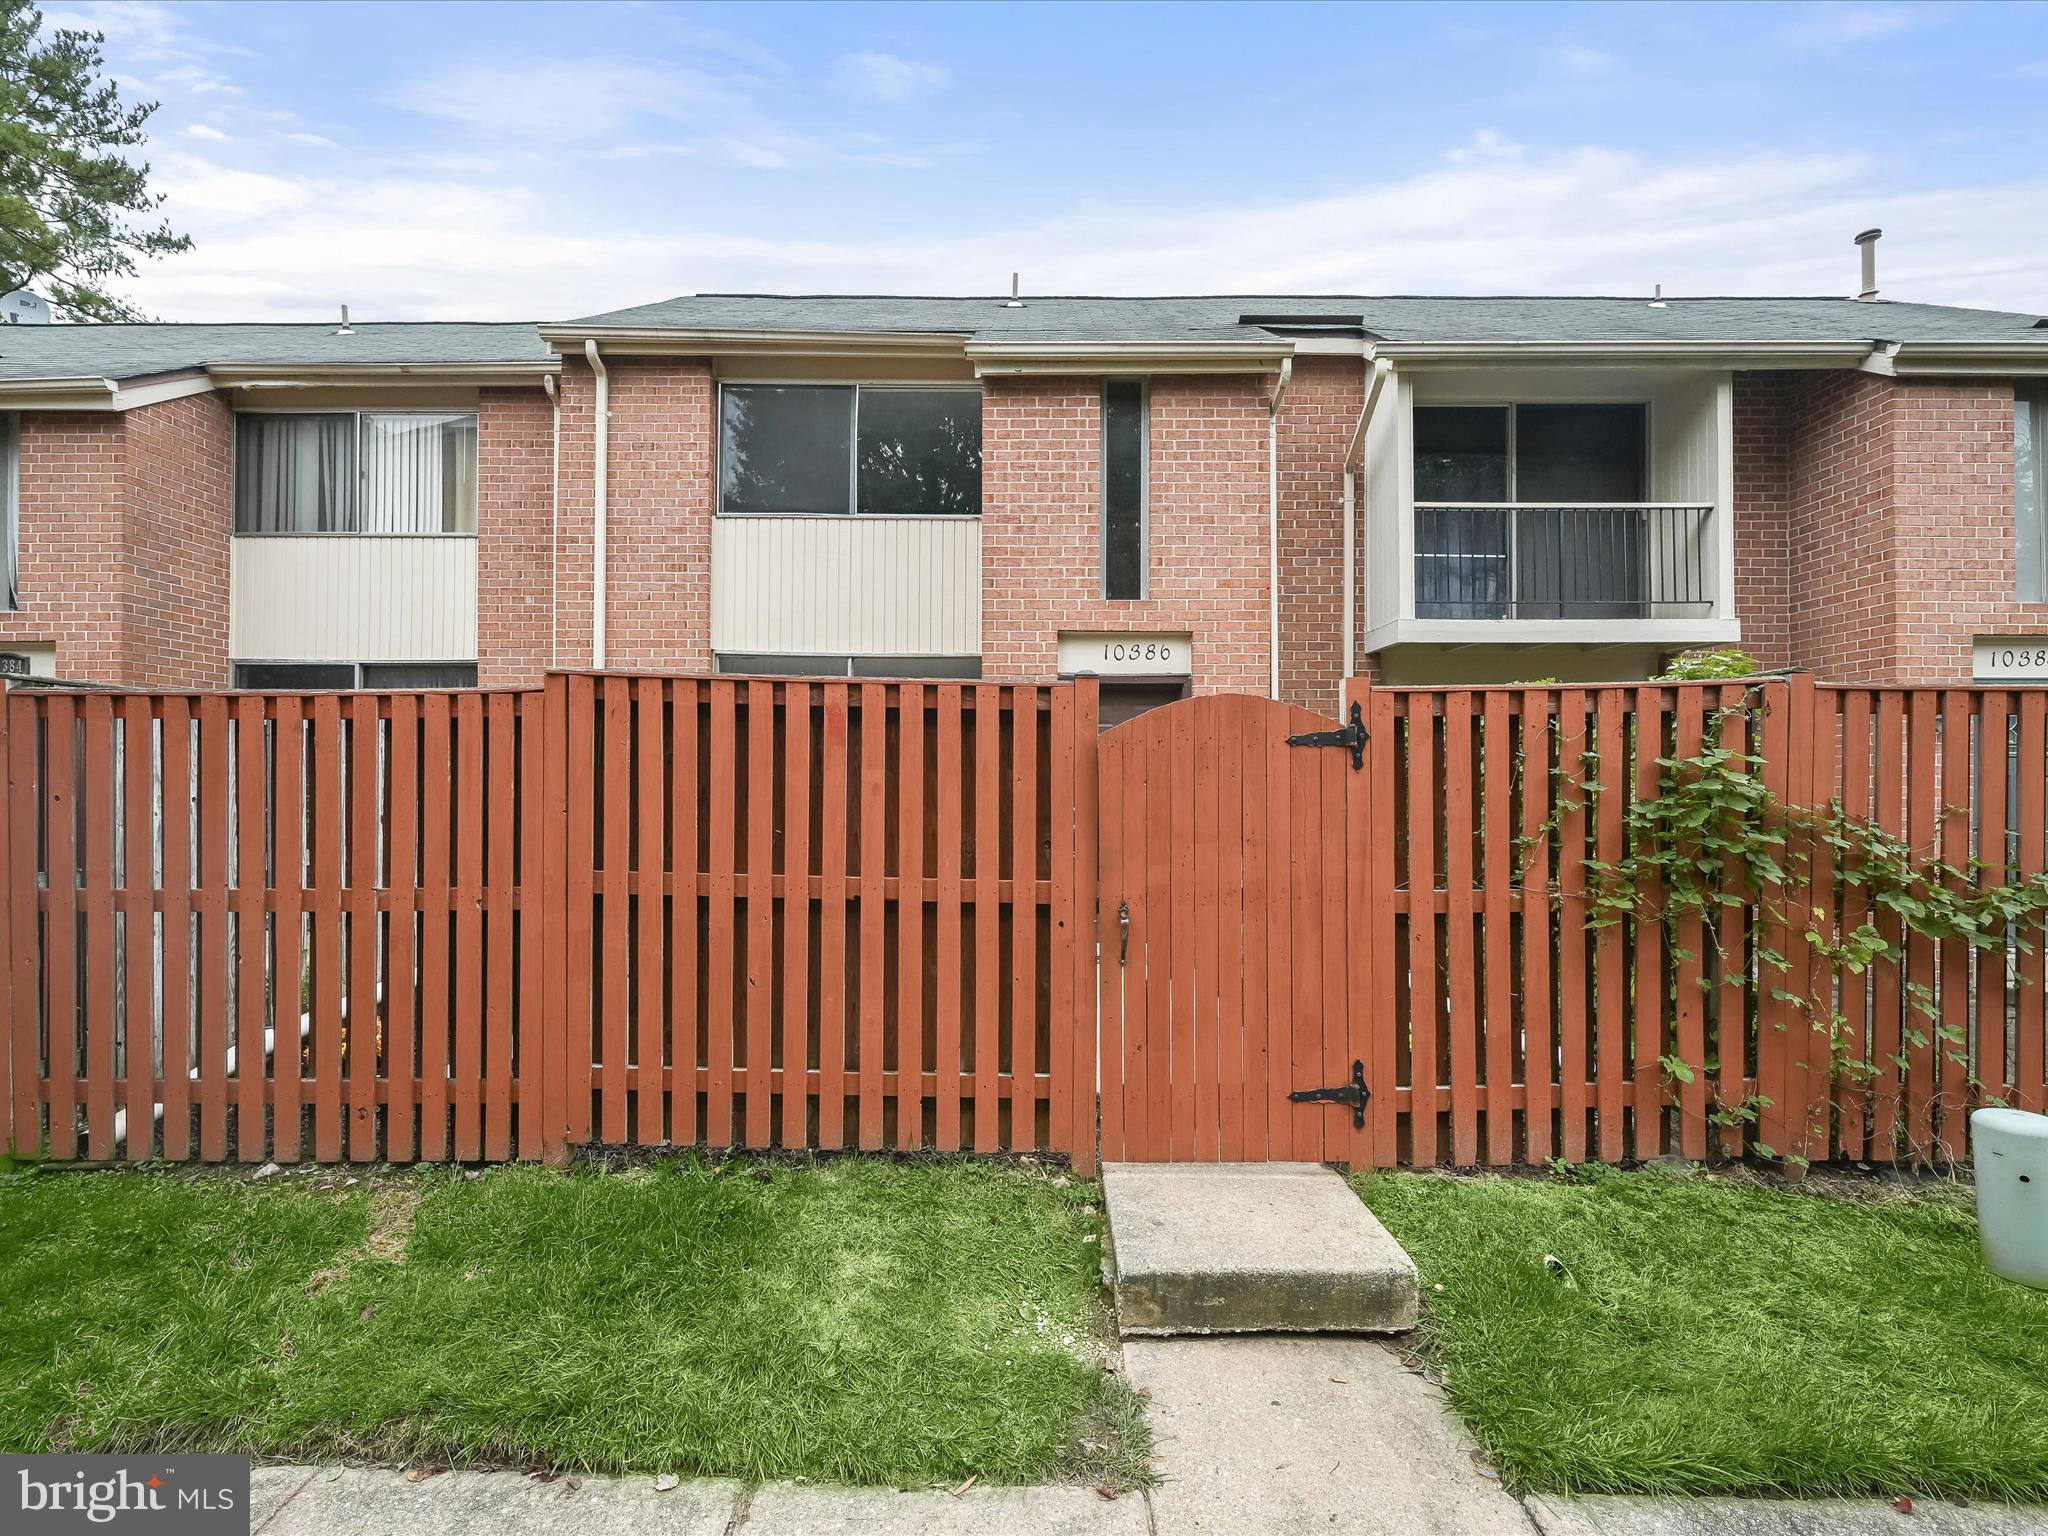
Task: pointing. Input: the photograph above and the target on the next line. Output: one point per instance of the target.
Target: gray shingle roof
(139, 351)
(1393, 319)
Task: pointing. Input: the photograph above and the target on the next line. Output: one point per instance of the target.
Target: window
(917, 668)
(296, 676)
(10, 511)
(1461, 453)
(831, 450)
(1495, 545)
(1482, 454)
(1123, 489)
(356, 472)
(1120, 701)
(2030, 487)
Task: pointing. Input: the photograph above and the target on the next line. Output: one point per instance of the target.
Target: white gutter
(321, 375)
(1961, 357)
(1273, 515)
(554, 523)
(1001, 358)
(698, 341)
(599, 499)
(1638, 354)
(1375, 381)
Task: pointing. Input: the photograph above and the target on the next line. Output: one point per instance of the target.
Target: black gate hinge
(1354, 1093)
(1351, 735)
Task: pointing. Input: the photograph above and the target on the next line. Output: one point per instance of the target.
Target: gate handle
(1123, 923)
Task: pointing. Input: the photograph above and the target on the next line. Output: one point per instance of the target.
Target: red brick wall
(515, 528)
(1316, 419)
(662, 454)
(124, 527)
(1953, 453)
(1840, 603)
(1041, 535)
(181, 518)
(1874, 523)
(1763, 514)
(73, 477)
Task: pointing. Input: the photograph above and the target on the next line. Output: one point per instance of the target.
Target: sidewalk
(311, 1501)
(1258, 1435)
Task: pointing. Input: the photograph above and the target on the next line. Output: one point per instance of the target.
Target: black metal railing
(1560, 561)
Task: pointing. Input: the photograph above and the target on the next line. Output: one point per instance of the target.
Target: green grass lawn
(856, 1321)
(1707, 1335)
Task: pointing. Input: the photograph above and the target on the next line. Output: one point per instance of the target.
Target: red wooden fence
(1520, 1032)
(483, 925)
(842, 914)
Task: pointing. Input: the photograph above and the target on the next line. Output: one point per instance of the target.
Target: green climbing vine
(1716, 835)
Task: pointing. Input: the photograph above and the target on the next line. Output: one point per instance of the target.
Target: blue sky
(546, 161)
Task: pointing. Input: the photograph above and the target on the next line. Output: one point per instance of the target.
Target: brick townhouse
(1215, 493)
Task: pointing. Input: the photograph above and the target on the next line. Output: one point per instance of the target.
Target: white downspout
(1375, 381)
(599, 501)
(554, 390)
(1273, 518)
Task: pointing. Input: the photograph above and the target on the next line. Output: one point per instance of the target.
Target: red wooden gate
(1229, 976)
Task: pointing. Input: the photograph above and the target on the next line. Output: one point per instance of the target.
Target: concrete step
(1250, 1248)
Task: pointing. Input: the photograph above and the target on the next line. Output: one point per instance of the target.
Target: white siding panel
(1386, 506)
(353, 597)
(862, 586)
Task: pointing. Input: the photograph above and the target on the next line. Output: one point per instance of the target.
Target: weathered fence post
(1075, 1037)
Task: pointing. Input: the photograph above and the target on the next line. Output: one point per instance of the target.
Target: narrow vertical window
(1123, 489)
(2030, 488)
(10, 510)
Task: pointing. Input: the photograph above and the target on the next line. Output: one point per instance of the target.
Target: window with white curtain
(2030, 487)
(10, 510)
(355, 472)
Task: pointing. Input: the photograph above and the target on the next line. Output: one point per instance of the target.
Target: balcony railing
(1563, 561)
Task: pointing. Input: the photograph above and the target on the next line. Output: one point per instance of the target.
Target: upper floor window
(356, 472)
(1480, 454)
(1123, 489)
(10, 510)
(830, 450)
(2030, 486)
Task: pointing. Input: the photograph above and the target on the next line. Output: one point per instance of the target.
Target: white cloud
(1587, 220)
(154, 46)
(580, 100)
(885, 77)
(1580, 60)
(1834, 25)
(201, 190)
(1486, 144)
(206, 131)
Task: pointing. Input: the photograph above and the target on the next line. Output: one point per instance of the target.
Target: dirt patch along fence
(484, 925)
(638, 909)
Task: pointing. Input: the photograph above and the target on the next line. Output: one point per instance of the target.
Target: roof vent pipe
(1867, 243)
(346, 328)
(1015, 302)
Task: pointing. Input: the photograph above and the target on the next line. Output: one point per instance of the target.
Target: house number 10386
(1137, 650)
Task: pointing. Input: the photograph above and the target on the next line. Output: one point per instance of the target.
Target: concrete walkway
(310, 1501)
(1248, 1493)
(1291, 1435)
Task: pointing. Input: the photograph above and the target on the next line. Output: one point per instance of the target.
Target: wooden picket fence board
(620, 909)
(821, 914)
(811, 913)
